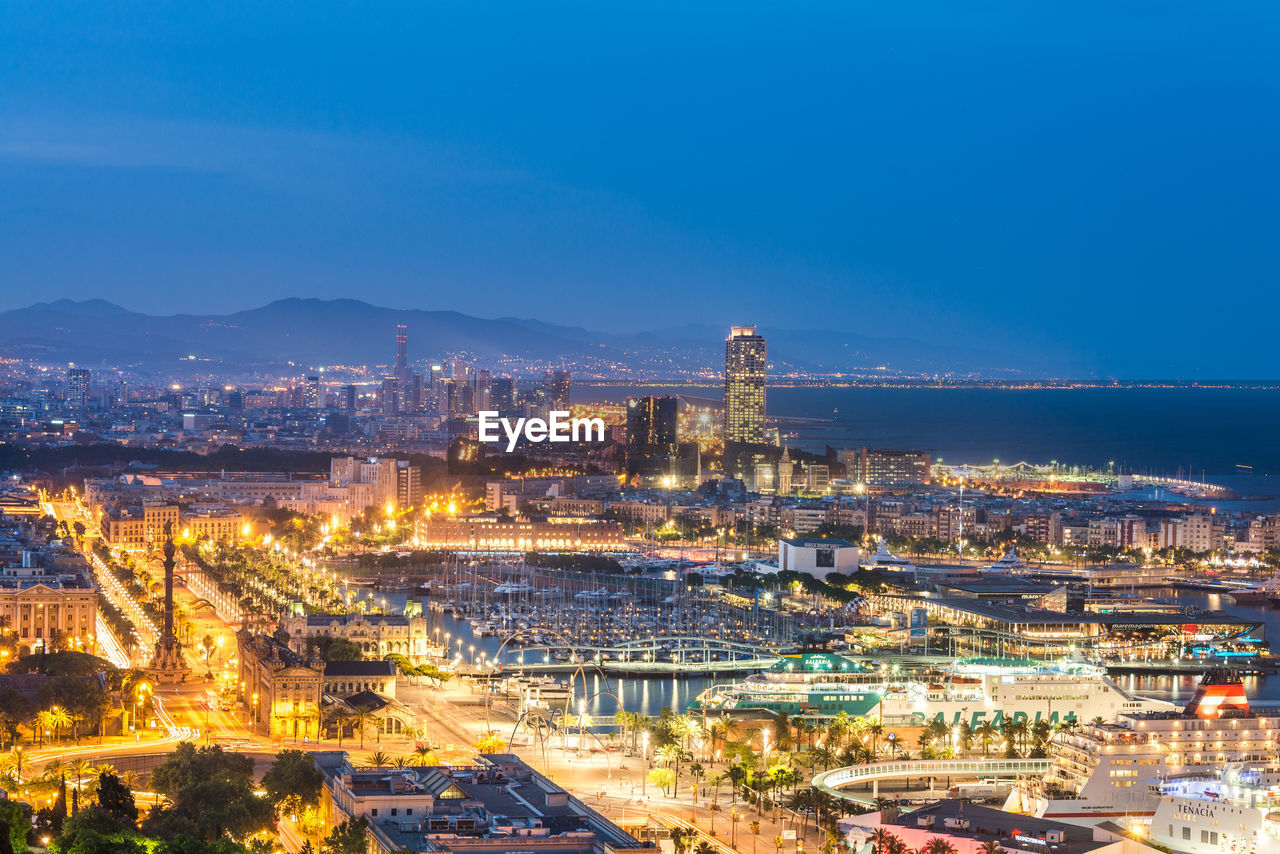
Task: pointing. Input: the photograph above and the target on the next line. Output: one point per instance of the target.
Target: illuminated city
(555, 430)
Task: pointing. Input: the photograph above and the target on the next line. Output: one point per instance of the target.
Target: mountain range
(314, 332)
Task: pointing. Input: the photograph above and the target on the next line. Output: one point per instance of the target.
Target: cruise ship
(975, 690)
(1114, 771)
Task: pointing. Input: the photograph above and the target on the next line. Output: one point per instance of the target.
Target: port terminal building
(976, 626)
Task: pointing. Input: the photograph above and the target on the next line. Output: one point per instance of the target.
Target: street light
(644, 766)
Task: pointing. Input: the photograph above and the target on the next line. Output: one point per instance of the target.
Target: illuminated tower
(786, 473)
(745, 363)
(402, 372)
(78, 386)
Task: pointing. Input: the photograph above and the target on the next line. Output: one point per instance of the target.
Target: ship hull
(1256, 597)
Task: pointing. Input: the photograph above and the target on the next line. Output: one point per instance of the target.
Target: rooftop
(359, 668)
(991, 823)
(818, 542)
(345, 619)
(477, 808)
(1017, 614)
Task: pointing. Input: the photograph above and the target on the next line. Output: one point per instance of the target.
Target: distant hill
(312, 332)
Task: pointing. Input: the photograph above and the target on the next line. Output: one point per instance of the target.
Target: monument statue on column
(168, 665)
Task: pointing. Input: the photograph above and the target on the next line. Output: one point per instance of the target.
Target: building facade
(377, 635)
(493, 533)
(745, 367)
(279, 688)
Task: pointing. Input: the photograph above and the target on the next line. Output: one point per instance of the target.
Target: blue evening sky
(1096, 178)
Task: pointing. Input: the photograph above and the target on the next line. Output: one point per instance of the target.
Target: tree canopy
(209, 794)
(293, 780)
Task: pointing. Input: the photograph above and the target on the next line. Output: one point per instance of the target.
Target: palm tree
(42, 723)
(840, 727)
(987, 734)
(17, 763)
(875, 729)
(884, 842)
(53, 770)
(697, 772)
(681, 839)
(704, 847)
(801, 803)
(720, 730)
(685, 728)
(670, 754)
(59, 718)
(938, 731)
(81, 768)
(623, 720)
(1015, 734)
(379, 759)
(1041, 732)
(424, 755)
(938, 845)
(737, 774)
(991, 846)
(362, 717)
(337, 716)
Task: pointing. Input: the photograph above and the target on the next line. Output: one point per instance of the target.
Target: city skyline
(1082, 186)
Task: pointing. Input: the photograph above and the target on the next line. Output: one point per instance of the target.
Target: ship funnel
(1220, 693)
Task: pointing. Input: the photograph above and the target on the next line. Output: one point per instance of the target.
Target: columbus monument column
(168, 665)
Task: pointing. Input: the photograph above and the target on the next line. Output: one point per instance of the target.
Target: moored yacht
(1267, 593)
(1010, 564)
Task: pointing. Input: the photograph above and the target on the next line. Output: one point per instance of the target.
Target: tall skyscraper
(479, 382)
(745, 364)
(389, 400)
(654, 454)
(502, 394)
(555, 385)
(313, 392)
(402, 350)
(651, 427)
(78, 387)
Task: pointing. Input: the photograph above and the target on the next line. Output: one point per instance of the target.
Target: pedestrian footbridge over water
(831, 782)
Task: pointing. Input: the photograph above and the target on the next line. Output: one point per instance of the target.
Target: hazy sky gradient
(1093, 178)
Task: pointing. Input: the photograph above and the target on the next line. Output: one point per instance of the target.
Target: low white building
(817, 556)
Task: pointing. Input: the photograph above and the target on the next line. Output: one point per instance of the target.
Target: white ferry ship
(1234, 809)
(1108, 771)
(974, 690)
